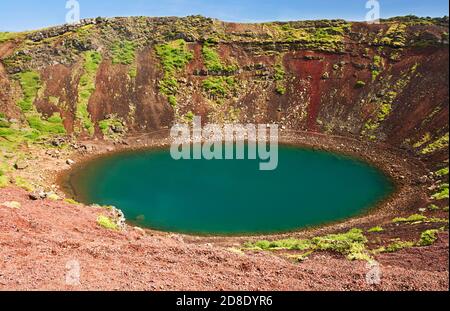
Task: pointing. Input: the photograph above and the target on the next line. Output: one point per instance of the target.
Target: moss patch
(107, 223)
(351, 244)
(86, 87)
(174, 57)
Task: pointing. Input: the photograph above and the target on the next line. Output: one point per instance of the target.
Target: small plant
(219, 86)
(375, 229)
(71, 201)
(107, 223)
(428, 237)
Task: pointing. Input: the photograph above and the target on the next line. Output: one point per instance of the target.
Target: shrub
(436, 145)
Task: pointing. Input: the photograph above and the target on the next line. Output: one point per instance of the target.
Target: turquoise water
(230, 197)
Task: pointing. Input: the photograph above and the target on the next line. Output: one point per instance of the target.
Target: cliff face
(109, 77)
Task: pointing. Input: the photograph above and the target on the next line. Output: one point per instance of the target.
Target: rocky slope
(385, 82)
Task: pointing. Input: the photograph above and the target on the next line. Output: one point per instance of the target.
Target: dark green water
(233, 196)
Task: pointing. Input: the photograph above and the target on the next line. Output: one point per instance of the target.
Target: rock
(70, 162)
(34, 196)
(325, 76)
(12, 204)
(20, 165)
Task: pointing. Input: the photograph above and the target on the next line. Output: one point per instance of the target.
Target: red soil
(38, 239)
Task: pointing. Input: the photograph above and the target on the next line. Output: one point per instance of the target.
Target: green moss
(280, 78)
(442, 193)
(397, 246)
(351, 244)
(71, 201)
(219, 86)
(410, 219)
(53, 125)
(30, 83)
(433, 207)
(375, 229)
(123, 52)
(107, 223)
(86, 87)
(108, 125)
(174, 57)
(425, 139)
(24, 184)
(4, 181)
(428, 237)
(360, 84)
(437, 145)
(394, 37)
(442, 172)
(212, 60)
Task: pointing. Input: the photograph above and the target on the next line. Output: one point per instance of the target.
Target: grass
(30, 84)
(351, 244)
(107, 223)
(86, 87)
(107, 125)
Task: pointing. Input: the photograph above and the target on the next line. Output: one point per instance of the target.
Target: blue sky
(18, 15)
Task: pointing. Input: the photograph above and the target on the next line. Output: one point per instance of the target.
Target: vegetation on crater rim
(174, 57)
